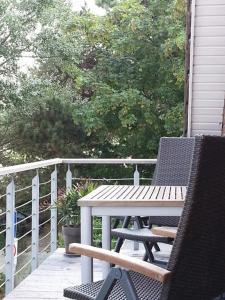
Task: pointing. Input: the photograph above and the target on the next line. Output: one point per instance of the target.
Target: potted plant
(69, 212)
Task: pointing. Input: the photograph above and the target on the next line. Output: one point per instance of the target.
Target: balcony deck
(59, 271)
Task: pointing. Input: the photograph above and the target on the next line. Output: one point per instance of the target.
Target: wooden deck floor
(57, 272)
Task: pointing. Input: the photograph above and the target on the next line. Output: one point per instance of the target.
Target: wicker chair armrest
(122, 260)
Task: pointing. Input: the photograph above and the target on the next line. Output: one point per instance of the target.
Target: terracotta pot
(71, 234)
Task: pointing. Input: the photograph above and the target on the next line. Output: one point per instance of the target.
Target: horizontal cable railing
(27, 221)
(22, 205)
(24, 189)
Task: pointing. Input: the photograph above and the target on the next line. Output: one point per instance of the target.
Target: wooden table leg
(86, 238)
(106, 241)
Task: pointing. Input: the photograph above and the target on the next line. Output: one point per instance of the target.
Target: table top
(130, 195)
(165, 231)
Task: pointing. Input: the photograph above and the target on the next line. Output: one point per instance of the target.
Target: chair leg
(156, 246)
(120, 240)
(119, 244)
(116, 223)
(145, 258)
(148, 252)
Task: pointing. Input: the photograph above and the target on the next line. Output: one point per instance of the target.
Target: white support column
(106, 241)
(35, 222)
(53, 210)
(9, 259)
(86, 238)
(68, 179)
(136, 182)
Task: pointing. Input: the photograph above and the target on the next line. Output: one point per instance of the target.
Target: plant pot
(71, 234)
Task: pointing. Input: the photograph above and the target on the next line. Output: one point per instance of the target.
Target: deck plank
(51, 277)
(58, 272)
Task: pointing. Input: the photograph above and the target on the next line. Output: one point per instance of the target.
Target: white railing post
(68, 179)
(136, 182)
(35, 222)
(136, 177)
(53, 210)
(9, 258)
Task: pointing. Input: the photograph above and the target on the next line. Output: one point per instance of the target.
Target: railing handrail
(29, 166)
(55, 161)
(109, 161)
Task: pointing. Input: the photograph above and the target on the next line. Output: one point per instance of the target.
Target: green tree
(118, 79)
(19, 22)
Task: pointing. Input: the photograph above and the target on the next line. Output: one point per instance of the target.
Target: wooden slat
(144, 192)
(121, 195)
(161, 193)
(149, 193)
(111, 194)
(128, 192)
(99, 191)
(121, 192)
(155, 192)
(184, 190)
(179, 193)
(134, 264)
(167, 193)
(172, 193)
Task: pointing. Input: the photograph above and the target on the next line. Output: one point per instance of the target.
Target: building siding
(208, 70)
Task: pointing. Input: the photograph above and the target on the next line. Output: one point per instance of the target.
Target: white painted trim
(193, 7)
(56, 161)
(135, 211)
(112, 161)
(29, 166)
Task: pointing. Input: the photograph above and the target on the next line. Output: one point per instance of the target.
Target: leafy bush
(68, 210)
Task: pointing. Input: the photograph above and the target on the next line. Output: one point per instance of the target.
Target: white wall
(206, 99)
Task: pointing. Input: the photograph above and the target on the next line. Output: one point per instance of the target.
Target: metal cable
(29, 247)
(44, 196)
(26, 264)
(43, 237)
(2, 196)
(2, 266)
(19, 222)
(46, 247)
(3, 213)
(21, 237)
(23, 189)
(3, 284)
(2, 231)
(43, 210)
(46, 182)
(24, 204)
(44, 222)
(109, 179)
(3, 248)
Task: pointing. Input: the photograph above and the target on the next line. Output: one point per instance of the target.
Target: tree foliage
(105, 86)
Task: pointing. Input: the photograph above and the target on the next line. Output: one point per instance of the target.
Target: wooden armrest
(169, 232)
(122, 260)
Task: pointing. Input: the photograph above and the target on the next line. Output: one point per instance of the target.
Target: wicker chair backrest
(173, 161)
(172, 168)
(197, 260)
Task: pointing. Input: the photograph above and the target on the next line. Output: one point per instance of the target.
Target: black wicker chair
(172, 168)
(196, 269)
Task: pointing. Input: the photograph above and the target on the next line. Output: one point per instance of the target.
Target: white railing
(11, 207)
